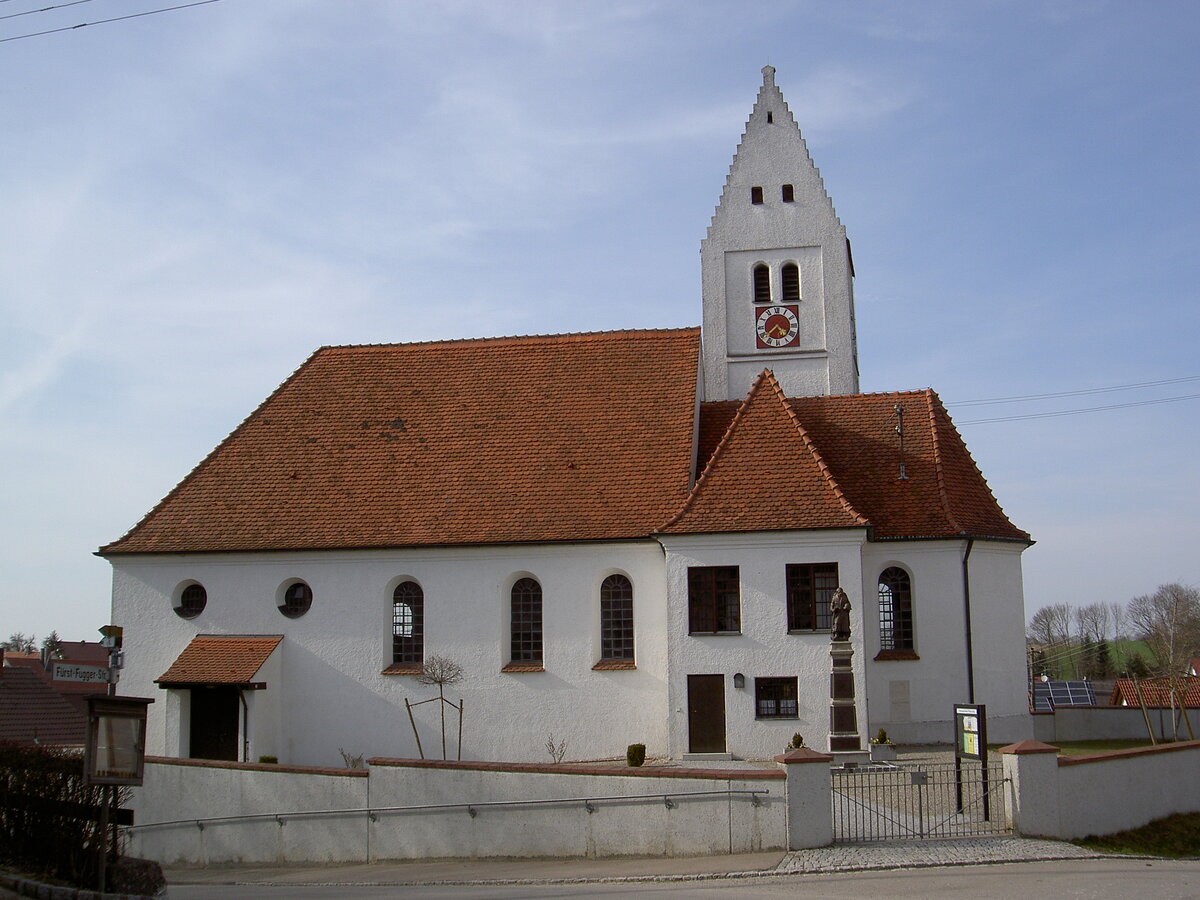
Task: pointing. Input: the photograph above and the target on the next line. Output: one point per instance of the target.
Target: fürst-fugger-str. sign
(62, 671)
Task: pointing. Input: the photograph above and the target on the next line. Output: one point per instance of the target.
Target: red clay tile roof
(1156, 692)
(855, 436)
(560, 437)
(31, 711)
(548, 438)
(220, 659)
(765, 474)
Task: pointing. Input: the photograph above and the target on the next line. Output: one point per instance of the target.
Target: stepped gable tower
(776, 269)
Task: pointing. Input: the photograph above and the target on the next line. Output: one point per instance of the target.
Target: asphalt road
(1075, 879)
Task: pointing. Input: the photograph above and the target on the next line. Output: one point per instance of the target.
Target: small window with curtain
(714, 600)
(776, 698)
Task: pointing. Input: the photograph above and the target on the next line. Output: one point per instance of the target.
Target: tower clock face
(777, 326)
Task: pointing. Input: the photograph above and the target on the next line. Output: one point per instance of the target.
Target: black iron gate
(918, 801)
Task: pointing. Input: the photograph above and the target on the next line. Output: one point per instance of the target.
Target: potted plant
(882, 748)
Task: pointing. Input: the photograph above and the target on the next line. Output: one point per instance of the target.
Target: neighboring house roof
(90, 653)
(559, 438)
(80, 653)
(1155, 692)
(854, 437)
(220, 659)
(32, 712)
(527, 439)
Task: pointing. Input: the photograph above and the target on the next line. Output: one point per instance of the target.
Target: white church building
(621, 537)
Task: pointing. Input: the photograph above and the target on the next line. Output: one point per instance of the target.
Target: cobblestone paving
(916, 854)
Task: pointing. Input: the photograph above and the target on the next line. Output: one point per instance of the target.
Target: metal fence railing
(920, 801)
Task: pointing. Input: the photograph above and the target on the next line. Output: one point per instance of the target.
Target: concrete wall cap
(1020, 748)
(803, 755)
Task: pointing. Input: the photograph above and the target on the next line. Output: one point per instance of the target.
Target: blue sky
(194, 201)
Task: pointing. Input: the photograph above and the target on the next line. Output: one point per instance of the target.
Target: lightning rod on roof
(899, 410)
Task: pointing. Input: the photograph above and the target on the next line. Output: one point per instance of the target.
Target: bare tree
(1117, 615)
(19, 642)
(1169, 621)
(440, 671)
(1092, 621)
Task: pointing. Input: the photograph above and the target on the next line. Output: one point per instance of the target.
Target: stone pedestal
(843, 717)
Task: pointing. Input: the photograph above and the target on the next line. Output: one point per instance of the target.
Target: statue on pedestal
(839, 608)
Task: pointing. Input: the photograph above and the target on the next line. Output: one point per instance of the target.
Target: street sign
(64, 671)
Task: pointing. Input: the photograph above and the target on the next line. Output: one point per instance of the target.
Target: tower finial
(768, 75)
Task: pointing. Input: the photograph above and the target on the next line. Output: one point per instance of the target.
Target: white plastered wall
(764, 648)
(326, 690)
(913, 699)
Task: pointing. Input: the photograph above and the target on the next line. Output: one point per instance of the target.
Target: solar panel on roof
(1049, 695)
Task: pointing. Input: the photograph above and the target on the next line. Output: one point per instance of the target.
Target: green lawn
(1083, 748)
(1177, 835)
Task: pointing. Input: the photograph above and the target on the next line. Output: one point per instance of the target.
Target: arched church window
(895, 610)
(408, 624)
(789, 194)
(616, 618)
(756, 196)
(526, 621)
(762, 284)
(791, 283)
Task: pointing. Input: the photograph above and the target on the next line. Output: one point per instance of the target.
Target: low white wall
(1105, 723)
(1116, 791)
(176, 789)
(1073, 797)
(702, 823)
(635, 819)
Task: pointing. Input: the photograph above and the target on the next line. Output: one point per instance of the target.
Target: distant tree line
(1071, 642)
(19, 642)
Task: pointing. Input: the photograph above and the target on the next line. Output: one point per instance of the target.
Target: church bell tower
(776, 269)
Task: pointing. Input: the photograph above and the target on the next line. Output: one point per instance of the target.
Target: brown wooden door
(706, 713)
(214, 723)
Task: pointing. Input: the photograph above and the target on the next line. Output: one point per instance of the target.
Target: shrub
(635, 755)
(268, 759)
(49, 817)
(881, 737)
(796, 742)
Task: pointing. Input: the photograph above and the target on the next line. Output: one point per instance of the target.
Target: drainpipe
(245, 726)
(966, 577)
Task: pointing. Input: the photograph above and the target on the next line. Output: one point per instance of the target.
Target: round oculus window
(192, 601)
(296, 600)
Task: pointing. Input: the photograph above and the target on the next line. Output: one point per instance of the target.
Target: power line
(30, 12)
(1101, 390)
(1076, 412)
(149, 12)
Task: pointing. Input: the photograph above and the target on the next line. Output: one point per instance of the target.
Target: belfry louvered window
(790, 275)
(526, 621)
(408, 624)
(762, 284)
